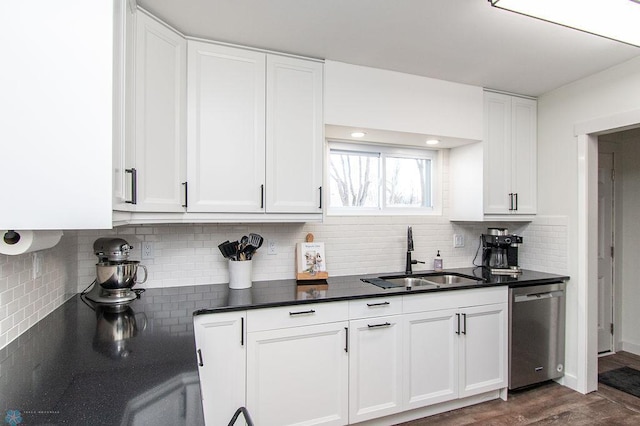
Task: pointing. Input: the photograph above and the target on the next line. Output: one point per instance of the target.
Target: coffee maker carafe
(500, 251)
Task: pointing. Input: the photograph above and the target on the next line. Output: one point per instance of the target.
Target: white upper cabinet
(497, 179)
(155, 129)
(510, 154)
(226, 154)
(294, 135)
(255, 131)
(56, 111)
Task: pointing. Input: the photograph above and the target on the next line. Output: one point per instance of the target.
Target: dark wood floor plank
(552, 404)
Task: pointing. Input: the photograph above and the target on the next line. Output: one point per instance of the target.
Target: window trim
(382, 151)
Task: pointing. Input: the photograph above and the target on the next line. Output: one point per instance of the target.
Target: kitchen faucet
(408, 269)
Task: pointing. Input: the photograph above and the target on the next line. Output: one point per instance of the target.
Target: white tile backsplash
(188, 255)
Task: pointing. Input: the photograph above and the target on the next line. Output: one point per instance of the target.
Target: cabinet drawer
(296, 315)
(454, 299)
(366, 308)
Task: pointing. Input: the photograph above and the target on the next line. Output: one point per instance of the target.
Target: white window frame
(385, 151)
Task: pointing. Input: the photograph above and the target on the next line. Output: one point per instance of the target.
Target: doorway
(587, 237)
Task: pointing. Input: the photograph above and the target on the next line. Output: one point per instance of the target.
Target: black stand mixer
(115, 273)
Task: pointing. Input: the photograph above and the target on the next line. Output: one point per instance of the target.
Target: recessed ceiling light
(432, 142)
(358, 134)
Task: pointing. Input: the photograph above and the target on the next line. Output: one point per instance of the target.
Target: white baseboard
(570, 381)
(633, 348)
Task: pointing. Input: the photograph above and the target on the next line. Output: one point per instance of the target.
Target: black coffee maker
(500, 251)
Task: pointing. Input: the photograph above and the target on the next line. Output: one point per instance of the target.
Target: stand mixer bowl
(119, 275)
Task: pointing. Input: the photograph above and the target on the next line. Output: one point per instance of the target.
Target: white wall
(607, 93)
(629, 241)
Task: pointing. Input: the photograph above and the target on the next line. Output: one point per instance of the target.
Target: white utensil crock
(239, 273)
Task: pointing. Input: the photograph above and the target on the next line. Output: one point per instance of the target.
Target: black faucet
(408, 269)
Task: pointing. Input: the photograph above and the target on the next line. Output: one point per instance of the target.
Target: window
(381, 179)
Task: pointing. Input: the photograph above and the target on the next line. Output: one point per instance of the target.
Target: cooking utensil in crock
(256, 240)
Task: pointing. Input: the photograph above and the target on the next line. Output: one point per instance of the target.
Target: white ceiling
(465, 41)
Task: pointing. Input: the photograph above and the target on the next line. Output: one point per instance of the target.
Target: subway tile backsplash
(189, 255)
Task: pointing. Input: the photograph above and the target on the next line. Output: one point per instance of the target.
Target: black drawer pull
(386, 324)
(371, 305)
(310, 311)
(200, 363)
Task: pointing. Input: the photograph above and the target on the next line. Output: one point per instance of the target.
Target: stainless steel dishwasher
(536, 333)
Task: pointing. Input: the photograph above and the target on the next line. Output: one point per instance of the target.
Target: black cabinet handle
(516, 196)
(134, 185)
(464, 324)
(262, 196)
(200, 363)
(186, 195)
(386, 324)
(458, 319)
(346, 339)
(510, 201)
(241, 331)
(310, 311)
(320, 190)
(371, 305)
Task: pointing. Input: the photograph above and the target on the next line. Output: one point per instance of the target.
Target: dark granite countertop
(288, 292)
(83, 365)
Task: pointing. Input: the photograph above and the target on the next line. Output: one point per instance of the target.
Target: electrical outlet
(147, 250)
(36, 269)
(272, 247)
(458, 240)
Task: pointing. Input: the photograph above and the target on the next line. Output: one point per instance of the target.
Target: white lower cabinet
(343, 363)
(375, 367)
(469, 357)
(298, 376)
(221, 352)
(430, 358)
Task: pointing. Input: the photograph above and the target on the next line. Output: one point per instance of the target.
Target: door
(483, 349)
(294, 135)
(159, 153)
(375, 367)
(226, 129)
(298, 375)
(605, 251)
(497, 153)
(430, 370)
(221, 355)
(524, 155)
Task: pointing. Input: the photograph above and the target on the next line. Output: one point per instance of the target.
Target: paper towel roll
(19, 242)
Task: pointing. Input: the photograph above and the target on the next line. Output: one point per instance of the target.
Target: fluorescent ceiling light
(614, 19)
(433, 142)
(358, 134)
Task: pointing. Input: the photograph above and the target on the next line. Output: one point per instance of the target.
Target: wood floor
(552, 404)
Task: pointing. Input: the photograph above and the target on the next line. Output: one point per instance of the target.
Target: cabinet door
(159, 146)
(497, 153)
(294, 135)
(483, 350)
(430, 358)
(298, 375)
(524, 154)
(226, 129)
(222, 360)
(375, 367)
(56, 114)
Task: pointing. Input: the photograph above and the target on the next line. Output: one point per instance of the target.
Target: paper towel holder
(11, 237)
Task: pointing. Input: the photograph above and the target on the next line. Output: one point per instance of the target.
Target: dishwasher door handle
(537, 296)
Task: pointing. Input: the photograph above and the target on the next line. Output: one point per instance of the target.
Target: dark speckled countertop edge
(369, 291)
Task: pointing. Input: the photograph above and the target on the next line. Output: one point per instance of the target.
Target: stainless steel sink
(408, 281)
(434, 280)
